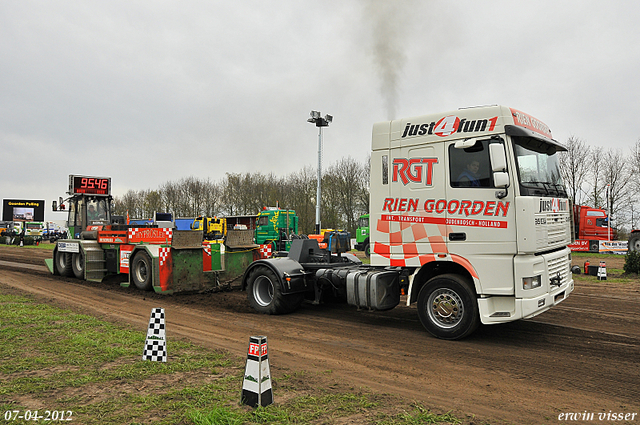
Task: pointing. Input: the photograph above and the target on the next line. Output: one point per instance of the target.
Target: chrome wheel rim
(445, 308)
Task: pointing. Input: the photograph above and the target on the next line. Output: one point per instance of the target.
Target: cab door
(481, 217)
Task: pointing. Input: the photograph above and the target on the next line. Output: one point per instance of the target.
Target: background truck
(591, 225)
(34, 229)
(155, 256)
(487, 249)
(276, 227)
(362, 235)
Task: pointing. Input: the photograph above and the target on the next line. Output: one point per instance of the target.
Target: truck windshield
(363, 222)
(538, 168)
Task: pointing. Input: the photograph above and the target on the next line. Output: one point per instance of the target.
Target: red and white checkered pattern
(164, 253)
(207, 249)
(406, 253)
(265, 251)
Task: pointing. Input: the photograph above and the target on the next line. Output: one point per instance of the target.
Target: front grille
(559, 265)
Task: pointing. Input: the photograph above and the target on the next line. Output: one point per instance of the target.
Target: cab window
(470, 167)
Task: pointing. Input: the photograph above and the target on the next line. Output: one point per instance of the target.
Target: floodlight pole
(319, 122)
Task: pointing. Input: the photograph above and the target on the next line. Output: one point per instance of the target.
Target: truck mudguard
(289, 272)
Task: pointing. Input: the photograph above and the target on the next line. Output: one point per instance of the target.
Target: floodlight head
(315, 114)
(328, 118)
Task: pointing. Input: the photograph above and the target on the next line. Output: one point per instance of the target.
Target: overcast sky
(151, 91)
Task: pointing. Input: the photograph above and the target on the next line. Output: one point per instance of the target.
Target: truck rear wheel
(447, 307)
(265, 293)
(142, 271)
(77, 265)
(63, 263)
(634, 243)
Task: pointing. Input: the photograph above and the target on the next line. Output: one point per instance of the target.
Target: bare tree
(574, 167)
(596, 194)
(300, 193)
(130, 203)
(616, 177)
(635, 165)
(344, 182)
(151, 203)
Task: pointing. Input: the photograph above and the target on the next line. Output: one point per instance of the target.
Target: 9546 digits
(38, 415)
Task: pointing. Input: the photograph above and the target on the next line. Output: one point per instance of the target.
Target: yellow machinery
(213, 228)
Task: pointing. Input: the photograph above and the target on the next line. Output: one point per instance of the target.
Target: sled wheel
(265, 294)
(447, 307)
(142, 271)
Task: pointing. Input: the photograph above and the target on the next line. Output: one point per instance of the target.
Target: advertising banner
(614, 247)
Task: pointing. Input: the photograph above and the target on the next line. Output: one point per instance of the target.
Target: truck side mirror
(498, 157)
(501, 179)
(499, 167)
(54, 205)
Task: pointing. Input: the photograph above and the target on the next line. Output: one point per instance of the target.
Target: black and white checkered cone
(602, 271)
(155, 347)
(256, 386)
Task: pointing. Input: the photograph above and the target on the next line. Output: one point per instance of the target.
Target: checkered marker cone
(256, 387)
(155, 347)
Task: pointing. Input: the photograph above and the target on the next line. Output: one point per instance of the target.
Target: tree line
(604, 178)
(345, 196)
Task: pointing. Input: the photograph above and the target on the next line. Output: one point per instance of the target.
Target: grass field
(91, 371)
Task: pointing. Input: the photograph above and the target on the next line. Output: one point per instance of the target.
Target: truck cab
(591, 226)
(213, 228)
(362, 234)
(275, 226)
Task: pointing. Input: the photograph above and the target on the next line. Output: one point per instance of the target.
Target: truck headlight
(531, 282)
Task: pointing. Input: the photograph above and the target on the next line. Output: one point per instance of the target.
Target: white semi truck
(469, 216)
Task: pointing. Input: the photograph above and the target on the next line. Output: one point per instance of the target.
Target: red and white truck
(468, 216)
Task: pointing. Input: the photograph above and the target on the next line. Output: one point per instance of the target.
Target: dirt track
(581, 356)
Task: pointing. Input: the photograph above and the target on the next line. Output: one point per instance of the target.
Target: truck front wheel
(142, 272)
(63, 263)
(634, 243)
(447, 307)
(77, 265)
(265, 293)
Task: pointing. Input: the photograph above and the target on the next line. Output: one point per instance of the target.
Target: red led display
(91, 185)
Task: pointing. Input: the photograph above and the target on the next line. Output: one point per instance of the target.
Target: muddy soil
(581, 356)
